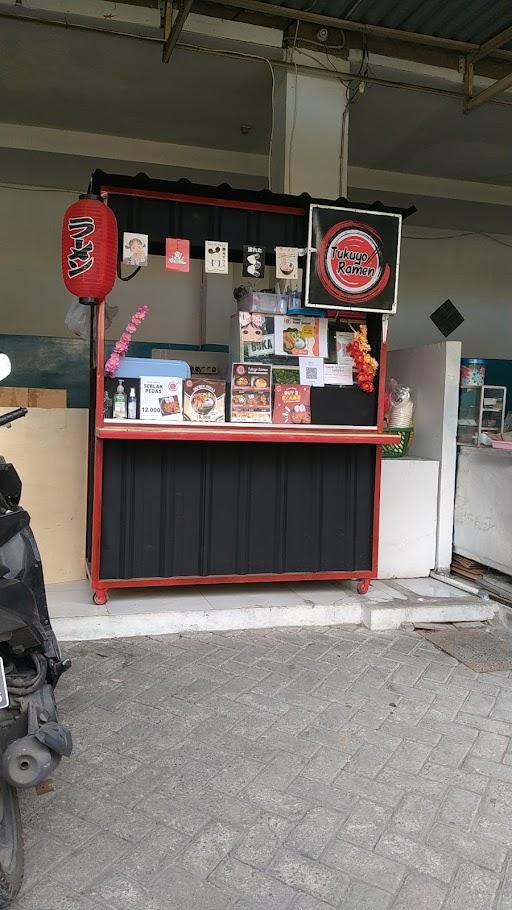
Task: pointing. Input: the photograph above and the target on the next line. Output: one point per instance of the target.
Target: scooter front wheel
(11, 844)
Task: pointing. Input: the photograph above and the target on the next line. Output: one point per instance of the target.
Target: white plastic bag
(78, 318)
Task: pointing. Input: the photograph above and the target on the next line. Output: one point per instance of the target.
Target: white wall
(433, 371)
(34, 300)
(474, 272)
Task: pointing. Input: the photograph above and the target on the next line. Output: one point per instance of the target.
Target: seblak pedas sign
(352, 261)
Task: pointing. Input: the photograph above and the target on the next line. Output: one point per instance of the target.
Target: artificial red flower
(366, 365)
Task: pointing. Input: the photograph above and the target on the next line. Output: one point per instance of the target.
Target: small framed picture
(135, 249)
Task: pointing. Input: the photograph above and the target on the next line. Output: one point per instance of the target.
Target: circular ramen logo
(350, 262)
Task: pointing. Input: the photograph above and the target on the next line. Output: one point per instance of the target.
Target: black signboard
(353, 259)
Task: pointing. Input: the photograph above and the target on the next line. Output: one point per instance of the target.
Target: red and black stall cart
(189, 504)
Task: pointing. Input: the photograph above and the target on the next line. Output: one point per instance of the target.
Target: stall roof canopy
(475, 21)
(162, 209)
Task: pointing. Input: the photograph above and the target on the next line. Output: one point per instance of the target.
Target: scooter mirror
(5, 366)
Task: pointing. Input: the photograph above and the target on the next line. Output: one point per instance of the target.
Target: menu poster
(287, 262)
(254, 262)
(251, 398)
(161, 399)
(216, 257)
(204, 400)
(292, 404)
(177, 255)
(301, 336)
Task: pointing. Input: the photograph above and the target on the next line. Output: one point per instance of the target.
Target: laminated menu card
(251, 398)
(161, 398)
(300, 336)
(292, 404)
(204, 400)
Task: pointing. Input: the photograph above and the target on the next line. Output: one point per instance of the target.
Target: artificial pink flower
(121, 346)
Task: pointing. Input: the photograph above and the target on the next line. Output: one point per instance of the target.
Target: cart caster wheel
(99, 598)
(363, 586)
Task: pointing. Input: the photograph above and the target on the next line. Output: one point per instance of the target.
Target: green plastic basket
(398, 449)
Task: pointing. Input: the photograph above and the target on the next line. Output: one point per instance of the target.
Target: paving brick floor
(299, 768)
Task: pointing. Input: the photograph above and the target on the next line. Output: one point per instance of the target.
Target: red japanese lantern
(89, 249)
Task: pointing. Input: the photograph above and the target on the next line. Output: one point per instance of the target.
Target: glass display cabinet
(481, 413)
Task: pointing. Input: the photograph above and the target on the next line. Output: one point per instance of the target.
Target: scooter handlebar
(8, 418)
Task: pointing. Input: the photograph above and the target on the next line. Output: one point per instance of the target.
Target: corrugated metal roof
(473, 21)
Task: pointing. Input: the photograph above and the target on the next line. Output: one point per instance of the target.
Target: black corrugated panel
(198, 223)
(175, 509)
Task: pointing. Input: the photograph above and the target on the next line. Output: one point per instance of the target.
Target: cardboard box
(13, 398)
(47, 398)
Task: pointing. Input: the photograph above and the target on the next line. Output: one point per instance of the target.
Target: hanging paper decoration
(177, 255)
(135, 249)
(216, 257)
(253, 263)
(366, 365)
(121, 346)
(89, 249)
(287, 262)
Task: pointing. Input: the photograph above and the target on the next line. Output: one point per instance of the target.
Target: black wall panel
(207, 508)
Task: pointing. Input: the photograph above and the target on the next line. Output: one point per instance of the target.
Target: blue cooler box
(135, 367)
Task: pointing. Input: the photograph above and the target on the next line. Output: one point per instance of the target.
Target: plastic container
(398, 449)
(135, 367)
(472, 372)
(259, 302)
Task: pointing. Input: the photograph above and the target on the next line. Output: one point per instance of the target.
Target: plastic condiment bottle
(132, 405)
(120, 402)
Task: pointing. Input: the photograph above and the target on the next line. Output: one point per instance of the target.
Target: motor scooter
(32, 741)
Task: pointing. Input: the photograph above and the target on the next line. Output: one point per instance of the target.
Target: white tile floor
(72, 599)
(157, 610)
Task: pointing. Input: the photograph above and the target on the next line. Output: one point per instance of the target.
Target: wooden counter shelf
(229, 432)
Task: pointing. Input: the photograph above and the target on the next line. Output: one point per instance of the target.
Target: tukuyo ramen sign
(352, 259)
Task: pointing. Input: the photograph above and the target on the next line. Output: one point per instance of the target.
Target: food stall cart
(191, 503)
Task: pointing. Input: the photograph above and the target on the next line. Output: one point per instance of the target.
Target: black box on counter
(343, 405)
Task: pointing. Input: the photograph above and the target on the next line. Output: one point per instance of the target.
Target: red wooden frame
(203, 200)
(328, 435)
